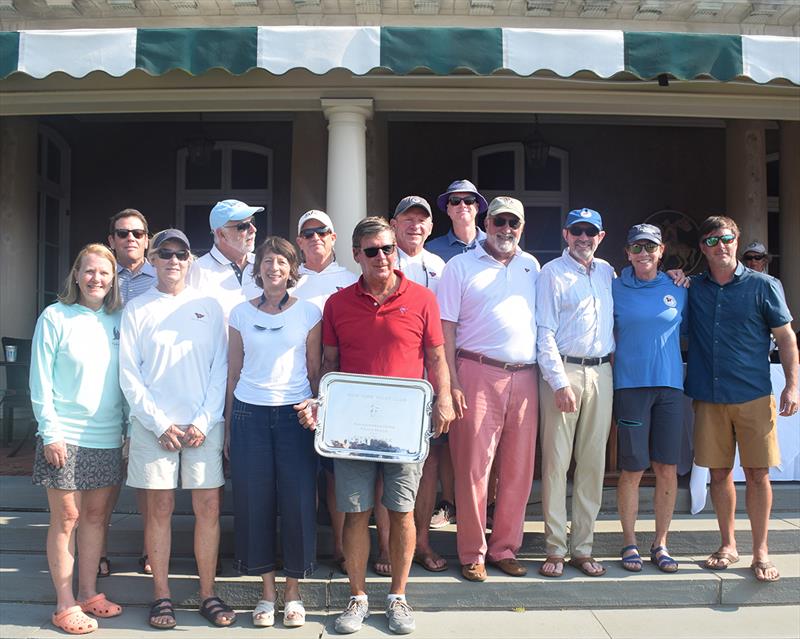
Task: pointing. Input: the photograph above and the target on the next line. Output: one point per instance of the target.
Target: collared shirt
(214, 275)
(574, 314)
(425, 268)
(729, 329)
(133, 283)
(386, 338)
(493, 304)
(318, 287)
(448, 246)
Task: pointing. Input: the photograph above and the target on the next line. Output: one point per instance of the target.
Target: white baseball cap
(319, 216)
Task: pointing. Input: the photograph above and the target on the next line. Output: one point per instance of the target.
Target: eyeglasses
(650, 247)
(123, 233)
(322, 231)
(588, 231)
(500, 222)
(757, 258)
(469, 200)
(241, 226)
(715, 239)
(372, 251)
(167, 254)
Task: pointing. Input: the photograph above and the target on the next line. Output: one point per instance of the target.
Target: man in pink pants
(487, 300)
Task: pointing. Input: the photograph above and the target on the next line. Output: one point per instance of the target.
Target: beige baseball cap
(505, 204)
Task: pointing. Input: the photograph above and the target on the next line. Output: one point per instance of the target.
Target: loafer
(474, 572)
(510, 566)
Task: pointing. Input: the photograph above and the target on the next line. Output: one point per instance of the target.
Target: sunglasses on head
(123, 233)
(650, 247)
(469, 200)
(716, 239)
(757, 258)
(241, 226)
(168, 254)
(588, 231)
(322, 231)
(372, 251)
(500, 222)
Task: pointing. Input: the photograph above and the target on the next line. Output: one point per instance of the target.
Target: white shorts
(152, 467)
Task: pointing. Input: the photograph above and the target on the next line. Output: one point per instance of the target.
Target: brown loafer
(510, 566)
(474, 572)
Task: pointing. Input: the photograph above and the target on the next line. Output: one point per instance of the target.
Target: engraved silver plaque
(373, 418)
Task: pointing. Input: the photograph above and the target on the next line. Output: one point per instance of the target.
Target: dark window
(205, 175)
(542, 232)
(547, 178)
(53, 162)
(496, 171)
(249, 170)
(773, 178)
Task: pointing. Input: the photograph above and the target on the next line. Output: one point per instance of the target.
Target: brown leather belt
(587, 361)
(482, 359)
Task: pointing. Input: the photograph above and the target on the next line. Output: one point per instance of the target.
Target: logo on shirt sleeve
(670, 301)
(199, 315)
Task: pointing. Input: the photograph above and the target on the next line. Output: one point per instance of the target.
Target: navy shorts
(649, 426)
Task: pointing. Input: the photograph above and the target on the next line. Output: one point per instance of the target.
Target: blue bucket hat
(590, 216)
(461, 186)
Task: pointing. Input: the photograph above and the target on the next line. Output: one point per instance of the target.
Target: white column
(790, 215)
(347, 170)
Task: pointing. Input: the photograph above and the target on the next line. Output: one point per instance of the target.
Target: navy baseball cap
(170, 234)
(461, 186)
(590, 216)
(644, 232)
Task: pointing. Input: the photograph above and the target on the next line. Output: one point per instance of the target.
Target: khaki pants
(588, 429)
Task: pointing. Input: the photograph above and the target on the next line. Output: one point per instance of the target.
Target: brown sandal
(578, 562)
(556, 561)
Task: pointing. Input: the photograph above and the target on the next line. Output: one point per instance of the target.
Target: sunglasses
(715, 239)
(588, 231)
(756, 258)
(650, 247)
(241, 226)
(500, 222)
(372, 251)
(123, 233)
(469, 200)
(322, 231)
(167, 254)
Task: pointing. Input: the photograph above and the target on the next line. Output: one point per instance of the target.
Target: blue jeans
(273, 468)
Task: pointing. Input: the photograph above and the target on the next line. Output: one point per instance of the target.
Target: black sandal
(162, 608)
(213, 610)
(103, 573)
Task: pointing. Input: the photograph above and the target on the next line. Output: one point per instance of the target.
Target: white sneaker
(401, 621)
(352, 618)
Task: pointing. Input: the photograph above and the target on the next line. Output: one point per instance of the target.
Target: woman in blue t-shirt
(648, 389)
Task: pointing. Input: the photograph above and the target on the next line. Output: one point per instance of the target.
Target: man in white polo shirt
(487, 301)
(226, 271)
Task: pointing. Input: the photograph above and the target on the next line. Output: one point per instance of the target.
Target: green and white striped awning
(402, 50)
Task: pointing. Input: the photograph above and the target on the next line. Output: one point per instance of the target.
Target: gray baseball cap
(411, 201)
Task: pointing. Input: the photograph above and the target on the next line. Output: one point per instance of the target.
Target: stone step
(26, 532)
(26, 579)
(18, 494)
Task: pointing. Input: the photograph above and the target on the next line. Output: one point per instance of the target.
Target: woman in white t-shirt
(274, 361)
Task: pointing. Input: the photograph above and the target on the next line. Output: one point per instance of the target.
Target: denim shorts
(649, 426)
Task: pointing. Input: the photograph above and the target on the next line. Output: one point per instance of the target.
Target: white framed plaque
(373, 418)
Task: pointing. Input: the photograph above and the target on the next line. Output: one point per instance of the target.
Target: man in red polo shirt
(384, 324)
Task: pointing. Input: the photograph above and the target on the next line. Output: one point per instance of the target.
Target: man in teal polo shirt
(732, 311)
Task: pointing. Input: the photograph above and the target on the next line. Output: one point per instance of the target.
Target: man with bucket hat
(462, 203)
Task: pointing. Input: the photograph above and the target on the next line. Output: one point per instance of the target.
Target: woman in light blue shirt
(77, 402)
(648, 389)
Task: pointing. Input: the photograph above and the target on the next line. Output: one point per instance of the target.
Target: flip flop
(427, 561)
(99, 606)
(382, 573)
(103, 573)
(763, 566)
(557, 561)
(578, 562)
(144, 565)
(74, 621)
(632, 562)
(719, 556)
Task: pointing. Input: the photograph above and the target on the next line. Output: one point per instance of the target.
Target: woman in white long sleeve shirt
(173, 367)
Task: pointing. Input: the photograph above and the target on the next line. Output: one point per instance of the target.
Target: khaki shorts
(152, 467)
(719, 427)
